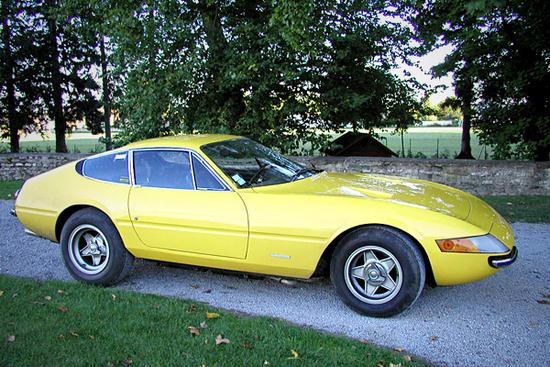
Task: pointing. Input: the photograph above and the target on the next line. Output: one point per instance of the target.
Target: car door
(178, 203)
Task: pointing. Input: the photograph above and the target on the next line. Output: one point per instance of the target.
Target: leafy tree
(281, 72)
(501, 69)
(20, 105)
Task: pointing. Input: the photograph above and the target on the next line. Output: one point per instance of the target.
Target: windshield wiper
(301, 172)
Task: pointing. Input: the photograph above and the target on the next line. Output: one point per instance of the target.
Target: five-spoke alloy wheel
(88, 249)
(378, 271)
(93, 250)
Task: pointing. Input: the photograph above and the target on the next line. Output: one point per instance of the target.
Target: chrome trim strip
(499, 262)
(212, 172)
(29, 232)
(190, 156)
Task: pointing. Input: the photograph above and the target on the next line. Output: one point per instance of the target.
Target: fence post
(437, 149)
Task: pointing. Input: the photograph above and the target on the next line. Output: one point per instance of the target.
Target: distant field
(417, 139)
(78, 142)
(425, 140)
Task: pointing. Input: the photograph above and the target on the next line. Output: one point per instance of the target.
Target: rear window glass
(110, 168)
(204, 179)
(165, 169)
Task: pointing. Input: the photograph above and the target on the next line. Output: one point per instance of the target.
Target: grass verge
(71, 324)
(8, 188)
(531, 209)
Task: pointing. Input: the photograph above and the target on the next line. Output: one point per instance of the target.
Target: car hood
(411, 192)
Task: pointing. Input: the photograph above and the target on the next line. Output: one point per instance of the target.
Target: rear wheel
(92, 249)
(378, 271)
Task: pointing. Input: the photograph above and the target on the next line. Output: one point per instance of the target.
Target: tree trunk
(542, 153)
(8, 71)
(464, 93)
(106, 95)
(229, 100)
(56, 81)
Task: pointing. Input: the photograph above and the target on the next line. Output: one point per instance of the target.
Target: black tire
(114, 263)
(366, 248)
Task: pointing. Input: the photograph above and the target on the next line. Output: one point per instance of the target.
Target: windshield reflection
(250, 164)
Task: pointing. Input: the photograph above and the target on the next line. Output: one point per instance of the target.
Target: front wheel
(92, 249)
(378, 271)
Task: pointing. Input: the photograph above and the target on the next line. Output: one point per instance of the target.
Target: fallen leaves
(10, 338)
(113, 296)
(434, 338)
(407, 358)
(295, 355)
(212, 315)
(1, 293)
(196, 286)
(60, 292)
(194, 331)
(248, 345)
(203, 325)
(543, 301)
(192, 308)
(48, 298)
(220, 340)
(395, 365)
(62, 308)
(399, 350)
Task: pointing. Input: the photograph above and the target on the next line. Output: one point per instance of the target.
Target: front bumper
(501, 261)
(12, 212)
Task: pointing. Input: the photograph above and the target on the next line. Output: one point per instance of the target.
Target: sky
(423, 75)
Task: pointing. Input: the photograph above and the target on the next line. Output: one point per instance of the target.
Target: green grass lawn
(531, 209)
(73, 146)
(8, 188)
(71, 324)
(425, 142)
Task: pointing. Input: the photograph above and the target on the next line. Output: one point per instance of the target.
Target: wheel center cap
(375, 274)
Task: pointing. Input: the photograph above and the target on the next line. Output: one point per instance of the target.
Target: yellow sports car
(227, 202)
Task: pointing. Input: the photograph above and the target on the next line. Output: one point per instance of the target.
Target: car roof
(181, 141)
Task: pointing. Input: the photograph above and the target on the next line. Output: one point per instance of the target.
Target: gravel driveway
(497, 321)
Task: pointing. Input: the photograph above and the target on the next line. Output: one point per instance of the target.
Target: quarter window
(163, 168)
(204, 179)
(110, 167)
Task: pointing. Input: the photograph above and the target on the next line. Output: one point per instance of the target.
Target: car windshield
(250, 164)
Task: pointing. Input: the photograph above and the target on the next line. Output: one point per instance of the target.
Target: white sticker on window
(238, 179)
(120, 156)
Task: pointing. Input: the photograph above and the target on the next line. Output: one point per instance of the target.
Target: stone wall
(478, 177)
(21, 166)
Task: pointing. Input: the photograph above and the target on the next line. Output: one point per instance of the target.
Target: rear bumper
(499, 262)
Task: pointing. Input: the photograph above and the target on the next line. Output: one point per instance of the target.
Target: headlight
(487, 243)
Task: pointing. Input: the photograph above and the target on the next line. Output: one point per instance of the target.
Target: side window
(203, 178)
(163, 168)
(111, 168)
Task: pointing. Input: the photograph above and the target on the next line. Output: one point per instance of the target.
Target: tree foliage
(501, 67)
(281, 72)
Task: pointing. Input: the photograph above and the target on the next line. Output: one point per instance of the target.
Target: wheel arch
(66, 214)
(323, 265)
